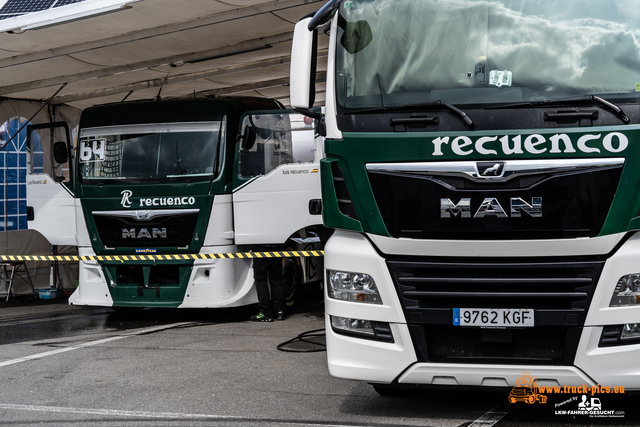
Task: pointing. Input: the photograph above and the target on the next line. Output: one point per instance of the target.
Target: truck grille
(574, 202)
(559, 292)
(168, 228)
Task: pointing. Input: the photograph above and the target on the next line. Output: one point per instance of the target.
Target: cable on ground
(304, 337)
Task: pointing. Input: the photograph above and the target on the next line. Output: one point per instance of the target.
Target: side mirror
(302, 79)
(60, 154)
(248, 138)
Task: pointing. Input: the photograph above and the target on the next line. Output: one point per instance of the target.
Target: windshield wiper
(591, 99)
(419, 106)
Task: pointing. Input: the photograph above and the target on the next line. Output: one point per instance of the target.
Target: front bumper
(211, 283)
(366, 360)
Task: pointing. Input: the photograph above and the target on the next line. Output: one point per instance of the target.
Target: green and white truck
(183, 177)
(482, 173)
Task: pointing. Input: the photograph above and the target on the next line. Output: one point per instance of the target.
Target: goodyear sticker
(174, 257)
(146, 251)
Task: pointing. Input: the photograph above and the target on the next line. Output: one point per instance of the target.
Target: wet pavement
(64, 365)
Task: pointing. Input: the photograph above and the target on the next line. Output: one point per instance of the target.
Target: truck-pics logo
(156, 201)
(526, 390)
(614, 142)
(491, 207)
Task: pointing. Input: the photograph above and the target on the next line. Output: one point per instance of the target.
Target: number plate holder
(494, 317)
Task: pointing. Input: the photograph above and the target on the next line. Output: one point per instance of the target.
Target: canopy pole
(35, 114)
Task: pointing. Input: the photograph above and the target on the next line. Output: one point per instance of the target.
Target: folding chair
(15, 267)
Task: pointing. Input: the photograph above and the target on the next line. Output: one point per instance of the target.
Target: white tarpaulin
(102, 51)
(169, 48)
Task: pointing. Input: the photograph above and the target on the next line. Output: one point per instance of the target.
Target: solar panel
(13, 8)
(66, 2)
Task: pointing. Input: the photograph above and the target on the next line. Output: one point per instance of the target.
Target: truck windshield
(150, 151)
(396, 52)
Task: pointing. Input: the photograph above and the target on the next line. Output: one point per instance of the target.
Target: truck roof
(173, 110)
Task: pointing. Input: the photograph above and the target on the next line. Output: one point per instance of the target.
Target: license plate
(493, 317)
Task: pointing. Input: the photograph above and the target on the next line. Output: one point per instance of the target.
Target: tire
(512, 399)
(389, 390)
(531, 400)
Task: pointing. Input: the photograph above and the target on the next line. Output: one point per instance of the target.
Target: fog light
(630, 331)
(357, 326)
(627, 291)
(364, 329)
(356, 287)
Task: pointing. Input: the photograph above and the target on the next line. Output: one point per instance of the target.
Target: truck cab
(482, 176)
(160, 188)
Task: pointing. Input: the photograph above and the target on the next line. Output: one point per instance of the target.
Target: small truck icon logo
(595, 405)
(526, 390)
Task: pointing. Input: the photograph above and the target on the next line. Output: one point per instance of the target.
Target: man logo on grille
(490, 169)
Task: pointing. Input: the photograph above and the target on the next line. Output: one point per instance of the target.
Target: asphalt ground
(68, 366)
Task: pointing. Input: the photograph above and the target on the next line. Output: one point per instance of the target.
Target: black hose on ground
(304, 337)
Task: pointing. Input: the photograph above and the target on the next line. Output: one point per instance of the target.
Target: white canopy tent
(216, 47)
(103, 51)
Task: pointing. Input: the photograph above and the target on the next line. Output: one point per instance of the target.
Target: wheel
(531, 399)
(542, 399)
(512, 399)
(390, 389)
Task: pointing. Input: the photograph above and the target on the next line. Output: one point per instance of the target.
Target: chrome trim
(146, 214)
(511, 169)
(491, 207)
(447, 207)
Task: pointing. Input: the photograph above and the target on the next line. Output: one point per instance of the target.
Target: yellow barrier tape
(123, 258)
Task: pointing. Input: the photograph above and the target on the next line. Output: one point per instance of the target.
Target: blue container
(50, 293)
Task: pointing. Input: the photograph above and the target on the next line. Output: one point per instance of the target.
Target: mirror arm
(309, 113)
(322, 128)
(325, 13)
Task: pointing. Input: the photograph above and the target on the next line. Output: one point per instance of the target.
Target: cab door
(51, 205)
(276, 177)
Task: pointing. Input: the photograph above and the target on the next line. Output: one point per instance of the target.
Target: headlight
(356, 287)
(627, 291)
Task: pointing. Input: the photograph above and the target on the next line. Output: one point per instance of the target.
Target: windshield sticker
(500, 78)
(92, 150)
(637, 87)
(614, 142)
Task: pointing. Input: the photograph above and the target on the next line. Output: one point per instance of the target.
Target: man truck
(159, 189)
(482, 174)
